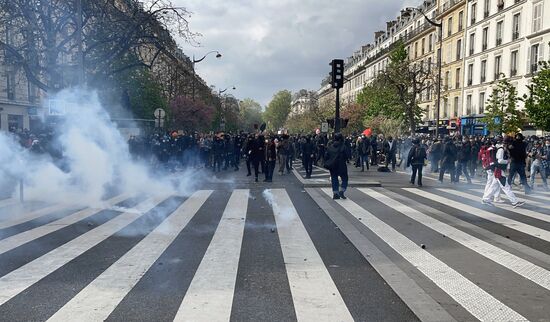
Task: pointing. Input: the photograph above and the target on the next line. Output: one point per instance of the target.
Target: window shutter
(528, 70)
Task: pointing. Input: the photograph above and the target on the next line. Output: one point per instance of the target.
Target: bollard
(21, 195)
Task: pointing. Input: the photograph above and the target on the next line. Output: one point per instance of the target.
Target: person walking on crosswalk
(416, 158)
(495, 162)
(335, 161)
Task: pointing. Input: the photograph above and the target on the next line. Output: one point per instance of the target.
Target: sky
(272, 45)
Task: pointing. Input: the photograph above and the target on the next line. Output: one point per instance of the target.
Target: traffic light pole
(337, 113)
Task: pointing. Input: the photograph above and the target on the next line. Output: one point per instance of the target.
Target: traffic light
(344, 123)
(330, 123)
(337, 73)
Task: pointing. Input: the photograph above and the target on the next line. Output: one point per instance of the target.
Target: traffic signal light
(330, 123)
(337, 73)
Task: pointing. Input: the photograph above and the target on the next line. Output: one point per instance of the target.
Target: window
(499, 32)
(470, 74)
(449, 53)
(469, 105)
(472, 43)
(537, 16)
(447, 79)
(534, 57)
(429, 65)
(450, 26)
(457, 78)
(455, 107)
(483, 71)
(460, 20)
(515, 26)
(429, 91)
(498, 60)
(514, 63)
(486, 8)
(473, 13)
(500, 5)
(423, 46)
(445, 108)
(481, 103)
(10, 84)
(458, 49)
(485, 38)
(415, 49)
(430, 43)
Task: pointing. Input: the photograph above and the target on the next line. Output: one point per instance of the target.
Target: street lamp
(440, 26)
(220, 92)
(195, 61)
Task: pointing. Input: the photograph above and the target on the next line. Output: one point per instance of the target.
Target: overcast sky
(271, 45)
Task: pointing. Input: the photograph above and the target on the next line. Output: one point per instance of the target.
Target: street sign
(160, 113)
(324, 127)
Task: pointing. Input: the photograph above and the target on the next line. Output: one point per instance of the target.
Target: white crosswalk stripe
(210, 295)
(520, 266)
(474, 299)
(14, 241)
(99, 298)
(315, 295)
(22, 218)
(507, 222)
(8, 202)
(20, 279)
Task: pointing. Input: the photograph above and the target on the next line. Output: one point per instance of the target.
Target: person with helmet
(336, 162)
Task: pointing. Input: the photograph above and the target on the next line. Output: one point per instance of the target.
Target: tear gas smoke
(285, 217)
(95, 161)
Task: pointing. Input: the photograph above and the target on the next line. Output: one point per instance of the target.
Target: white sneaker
(518, 204)
(498, 200)
(487, 202)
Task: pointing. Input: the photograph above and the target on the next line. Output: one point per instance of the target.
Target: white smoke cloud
(96, 160)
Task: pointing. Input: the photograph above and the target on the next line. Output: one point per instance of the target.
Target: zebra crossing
(174, 258)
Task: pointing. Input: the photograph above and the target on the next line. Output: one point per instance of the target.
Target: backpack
(487, 158)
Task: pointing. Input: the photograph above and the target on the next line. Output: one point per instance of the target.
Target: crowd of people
(267, 153)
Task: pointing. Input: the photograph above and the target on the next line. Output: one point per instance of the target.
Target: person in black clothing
(363, 150)
(416, 158)
(247, 149)
(475, 145)
(464, 151)
(335, 161)
(390, 150)
(435, 155)
(270, 159)
(518, 155)
(448, 160)
(308, 156)
(257, 154)
(373, 150)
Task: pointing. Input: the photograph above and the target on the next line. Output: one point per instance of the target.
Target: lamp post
(220, 92)
(195, 61)
(438, 25)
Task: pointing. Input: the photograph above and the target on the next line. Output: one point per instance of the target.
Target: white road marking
(535, 201)
(22, 218)
(508, 207)
(314, 293)
(514, 263)
(22, 278)
(474, 299)
(97, 300)
(507, 222)
(210, 295)
(14, 241)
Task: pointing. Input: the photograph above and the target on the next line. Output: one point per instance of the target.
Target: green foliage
(278, 109)
(302, 123)
(250, 113)
(537, 103)
(380, 100)
(502, 114)
(385, 125)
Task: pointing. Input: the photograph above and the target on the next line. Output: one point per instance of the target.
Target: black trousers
(256, 164)
(449, 166)
(417, 168)
(308, 164)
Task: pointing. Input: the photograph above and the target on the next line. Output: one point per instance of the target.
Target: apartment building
(506, 39)
(19, 99)
(302, 102)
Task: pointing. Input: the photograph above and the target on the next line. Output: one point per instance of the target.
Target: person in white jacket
(496, 181)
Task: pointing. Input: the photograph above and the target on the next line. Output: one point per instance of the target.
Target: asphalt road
(237, 250)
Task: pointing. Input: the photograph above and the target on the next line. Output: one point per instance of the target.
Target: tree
(278, 109)
(191, 115)
(42, 37)
(537, 103)
(380, 100)
(501, 113)
(302, 123)
(250, 113)
(355, 113)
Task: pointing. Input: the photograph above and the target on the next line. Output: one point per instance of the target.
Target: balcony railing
(470, 82)
(484, 46)
(485, 14)
(483, 78)
(515, 35)
(499, 41)
(534, 68)
(471, 51)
